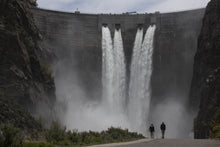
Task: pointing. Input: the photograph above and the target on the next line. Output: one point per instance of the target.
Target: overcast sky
(120, 6)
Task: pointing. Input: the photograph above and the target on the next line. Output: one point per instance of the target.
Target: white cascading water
(107, 65)
(139, 87)
(133, 91)
(113, 70)
(119, 72)
(114, 78)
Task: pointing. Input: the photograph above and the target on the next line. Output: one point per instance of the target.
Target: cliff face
(205, 88)
(23, 78)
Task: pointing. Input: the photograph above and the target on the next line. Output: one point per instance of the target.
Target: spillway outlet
(117, 26)
(104, 24)
(140, 26)
(152, 24)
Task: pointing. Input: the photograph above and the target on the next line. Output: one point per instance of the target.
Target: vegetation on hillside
(10, 136)
(215, 125)
(58, 136)
(12, 113)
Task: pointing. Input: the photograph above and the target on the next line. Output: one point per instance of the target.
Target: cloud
(178, 5)
(120, 6)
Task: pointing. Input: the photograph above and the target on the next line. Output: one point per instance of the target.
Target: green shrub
(37, 144)
(58, 136)
(34, 135)
(46, 69)
(96, 140)
(13, 137)
(63, 143)
(55, 133)
(215, 125)
(216, 130)
(73, 137)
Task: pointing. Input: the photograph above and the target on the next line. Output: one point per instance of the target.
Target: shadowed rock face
(76, 40)
(206, 76)
(23, 79)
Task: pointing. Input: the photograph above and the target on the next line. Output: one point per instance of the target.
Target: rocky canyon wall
(206, 75)
(25, 83)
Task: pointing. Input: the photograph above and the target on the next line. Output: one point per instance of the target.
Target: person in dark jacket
(151, 129)
(163, 128)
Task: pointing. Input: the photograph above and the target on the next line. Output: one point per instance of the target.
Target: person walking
(163, 128)
(151, 129)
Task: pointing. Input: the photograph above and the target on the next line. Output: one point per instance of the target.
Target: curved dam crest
(75, 39)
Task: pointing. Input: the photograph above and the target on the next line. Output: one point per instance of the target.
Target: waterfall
(114, 70)
(139, 87)
(114, 77)
(119, 71)
(107, 65)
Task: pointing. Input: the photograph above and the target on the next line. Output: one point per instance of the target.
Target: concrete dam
(76, 41)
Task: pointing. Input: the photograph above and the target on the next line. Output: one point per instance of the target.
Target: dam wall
(175, 47)
(75, 39)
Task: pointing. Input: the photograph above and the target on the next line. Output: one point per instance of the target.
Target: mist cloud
(176, 117)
